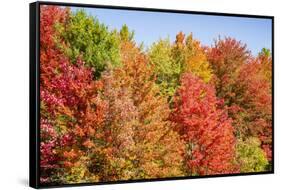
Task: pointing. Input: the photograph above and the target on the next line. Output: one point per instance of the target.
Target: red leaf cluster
(205, 128)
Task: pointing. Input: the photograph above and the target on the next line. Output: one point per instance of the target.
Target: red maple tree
(205, 128)
(72, 111)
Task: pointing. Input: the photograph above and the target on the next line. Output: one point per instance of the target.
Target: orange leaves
(176, 110)
(68, 164)
(79, 131)
(88, 144)
(180, 39)
(137, 119)
(72, 154)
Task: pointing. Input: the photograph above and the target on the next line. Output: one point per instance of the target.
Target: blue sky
(151, 26)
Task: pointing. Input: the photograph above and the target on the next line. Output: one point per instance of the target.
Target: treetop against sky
(149, 27)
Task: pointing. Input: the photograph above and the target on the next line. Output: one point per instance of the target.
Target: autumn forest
(113, 110)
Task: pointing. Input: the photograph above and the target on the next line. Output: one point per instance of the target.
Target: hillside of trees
(111, 110)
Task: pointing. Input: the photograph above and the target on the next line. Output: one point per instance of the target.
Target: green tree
(85, 36)
(265, 52)
(265, 59)
(170, 61)
(126, 34)
(250, 156)
(166, 69)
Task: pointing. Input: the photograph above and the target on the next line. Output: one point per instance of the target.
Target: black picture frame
(34, 91)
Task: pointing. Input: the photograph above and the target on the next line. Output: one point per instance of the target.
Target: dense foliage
(85, 36)
(244, 82)
(205, 128)
(250, 156)
(143, 142)
(111, 110)
(72, 111)
(170, 61)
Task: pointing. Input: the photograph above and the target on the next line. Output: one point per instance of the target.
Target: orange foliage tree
(143, 142)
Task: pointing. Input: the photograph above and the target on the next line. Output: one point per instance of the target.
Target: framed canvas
(126, 94)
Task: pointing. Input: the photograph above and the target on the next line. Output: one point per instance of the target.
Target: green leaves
(170, 61)
(85, 36)
(125, 34)
(165, 67)
(250, 156)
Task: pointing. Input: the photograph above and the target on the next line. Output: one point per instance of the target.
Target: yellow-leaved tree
(170, 61)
